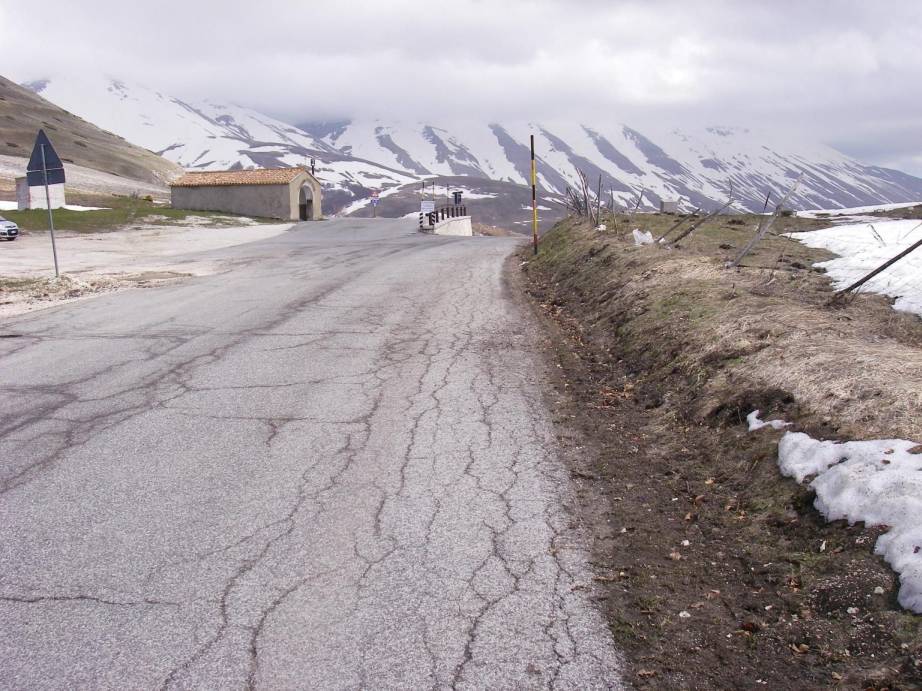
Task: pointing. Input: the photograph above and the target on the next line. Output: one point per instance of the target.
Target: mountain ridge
(697, 167)
(207, 135)
(23, 113)
(356, 156)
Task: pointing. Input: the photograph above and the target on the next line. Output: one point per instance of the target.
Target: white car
(8, 229)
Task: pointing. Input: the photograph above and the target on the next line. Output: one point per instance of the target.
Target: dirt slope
(719, 572)
(23, 112)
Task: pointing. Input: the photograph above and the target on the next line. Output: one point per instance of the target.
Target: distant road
(330, 467)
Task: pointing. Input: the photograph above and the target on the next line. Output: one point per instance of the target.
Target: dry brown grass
(662, 354)
(490, 230)
(857, 367)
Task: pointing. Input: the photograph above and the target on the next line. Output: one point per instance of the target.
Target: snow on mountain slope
(695, 166)
(204, 134)
(354, 157)
(78, 142)
(211, 136)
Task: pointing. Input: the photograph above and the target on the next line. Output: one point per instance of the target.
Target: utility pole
(534, 197)
(54, 249)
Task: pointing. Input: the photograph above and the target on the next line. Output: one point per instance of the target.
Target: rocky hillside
(215, 136)
(22, 113)
(696, 166)
(354, 157)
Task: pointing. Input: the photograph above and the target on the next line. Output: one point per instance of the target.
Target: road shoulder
(94, 264)
(710, 562)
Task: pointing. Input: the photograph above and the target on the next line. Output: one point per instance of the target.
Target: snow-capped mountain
(199, 135)
(354, 157)
(212, 136)
(694, 166)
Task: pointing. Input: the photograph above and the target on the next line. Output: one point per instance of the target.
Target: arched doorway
(306, 203)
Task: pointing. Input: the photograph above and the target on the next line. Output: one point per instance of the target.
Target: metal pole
(534, 197)
(54, 249)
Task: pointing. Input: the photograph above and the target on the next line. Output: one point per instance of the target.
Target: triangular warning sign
(44, 158)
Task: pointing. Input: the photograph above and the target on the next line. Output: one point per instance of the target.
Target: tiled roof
(258, 176)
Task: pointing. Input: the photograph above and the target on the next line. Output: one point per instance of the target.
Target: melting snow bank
(13, 206)
(854, 210)
(878, 482)
(862, 247)
(642, 237)
(756, 423)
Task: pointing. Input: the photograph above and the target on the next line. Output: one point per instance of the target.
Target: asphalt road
(330, 467)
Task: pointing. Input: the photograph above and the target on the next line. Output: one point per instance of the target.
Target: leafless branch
(682, 221)
(887, 264)
(764, 226)
(694, 226)
(639, 200)
(598, 203)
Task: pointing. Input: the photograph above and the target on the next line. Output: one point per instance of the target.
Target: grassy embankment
(665, 352)
(118, 212)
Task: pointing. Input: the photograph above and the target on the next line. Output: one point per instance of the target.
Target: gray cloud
(839, 72)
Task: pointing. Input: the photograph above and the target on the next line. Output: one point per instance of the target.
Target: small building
(292, 194)
(669, 207)
(34, 197)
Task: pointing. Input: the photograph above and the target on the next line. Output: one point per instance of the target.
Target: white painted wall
(460, 225)
(34, 197)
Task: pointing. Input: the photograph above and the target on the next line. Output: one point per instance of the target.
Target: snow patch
(13, 206)
(77, 207)
(855, 210)
(468, 194)
(862, 247)
(878, 482)
(755, 423)
(642, 237)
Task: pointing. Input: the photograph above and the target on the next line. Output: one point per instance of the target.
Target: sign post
(45, 168)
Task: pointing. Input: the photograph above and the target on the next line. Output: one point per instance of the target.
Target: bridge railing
(441, 214)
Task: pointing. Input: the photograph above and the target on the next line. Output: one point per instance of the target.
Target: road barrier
(447, 220)
(432, 218)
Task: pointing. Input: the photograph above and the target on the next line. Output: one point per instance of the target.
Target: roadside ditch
(717, 571)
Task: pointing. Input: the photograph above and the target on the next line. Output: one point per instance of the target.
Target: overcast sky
(842, 72)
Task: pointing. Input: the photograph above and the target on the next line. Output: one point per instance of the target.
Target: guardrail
(441, 214)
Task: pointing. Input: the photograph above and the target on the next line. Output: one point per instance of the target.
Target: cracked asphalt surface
(330, 467)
